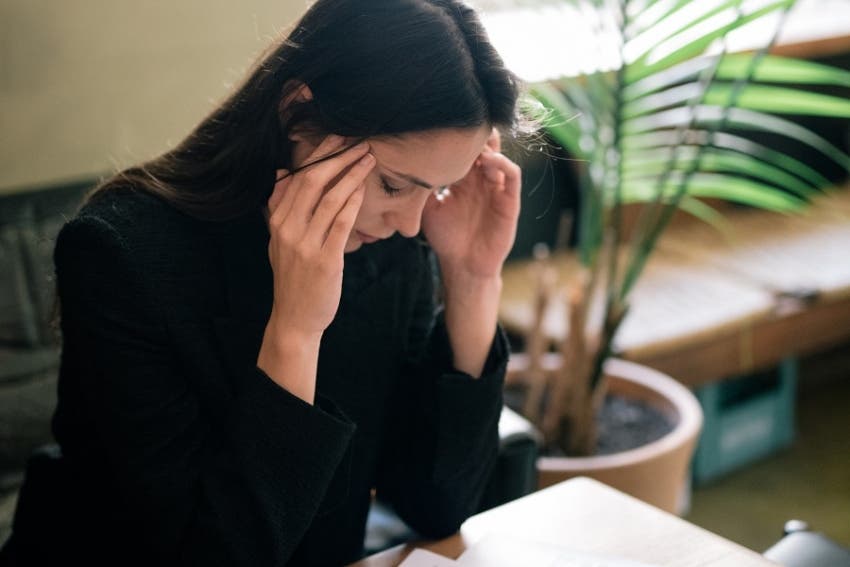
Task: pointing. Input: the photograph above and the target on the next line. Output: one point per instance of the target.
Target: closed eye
(390, 189)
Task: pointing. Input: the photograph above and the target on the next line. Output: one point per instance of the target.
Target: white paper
(501, 551)
(425, 558)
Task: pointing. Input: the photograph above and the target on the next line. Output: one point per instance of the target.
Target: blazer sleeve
(240, 492)
(445, 437)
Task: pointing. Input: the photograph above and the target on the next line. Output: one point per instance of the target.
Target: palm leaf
(771, 69)
(717, 186)
(765, 98)
(780, 100)
(775, 69)
(690, 46)
(737, 118)
(706, 213)
(722, 140)
(650, 164)
(681, 19)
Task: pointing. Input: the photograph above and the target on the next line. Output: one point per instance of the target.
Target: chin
(352, 245)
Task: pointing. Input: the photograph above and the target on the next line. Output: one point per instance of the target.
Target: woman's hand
(311, 216)
(473, 228)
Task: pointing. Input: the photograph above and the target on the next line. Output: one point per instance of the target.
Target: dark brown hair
(375, 67)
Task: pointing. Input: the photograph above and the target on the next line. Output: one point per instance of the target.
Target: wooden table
(587, 516)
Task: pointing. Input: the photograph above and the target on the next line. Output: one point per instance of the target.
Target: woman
(228, 393)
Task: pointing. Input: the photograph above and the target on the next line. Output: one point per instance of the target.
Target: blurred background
(92, 86)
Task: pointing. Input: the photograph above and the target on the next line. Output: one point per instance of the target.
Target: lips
(366, 238)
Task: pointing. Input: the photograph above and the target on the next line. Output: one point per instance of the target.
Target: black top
(178, 449)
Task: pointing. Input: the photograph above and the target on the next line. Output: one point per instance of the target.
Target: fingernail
(367, 160)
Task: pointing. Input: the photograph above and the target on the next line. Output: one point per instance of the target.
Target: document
(425, 558)
(502, 551)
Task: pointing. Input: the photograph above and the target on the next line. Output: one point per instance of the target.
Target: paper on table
(506, 551)
(425, 558)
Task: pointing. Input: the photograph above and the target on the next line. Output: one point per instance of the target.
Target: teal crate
(746, 419)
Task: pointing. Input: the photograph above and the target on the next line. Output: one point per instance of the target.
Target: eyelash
(389, 189)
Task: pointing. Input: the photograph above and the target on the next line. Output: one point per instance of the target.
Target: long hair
(374, 67)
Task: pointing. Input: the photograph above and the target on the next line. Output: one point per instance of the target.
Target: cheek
(372, 202)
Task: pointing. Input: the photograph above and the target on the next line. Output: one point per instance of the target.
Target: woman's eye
(389, 189)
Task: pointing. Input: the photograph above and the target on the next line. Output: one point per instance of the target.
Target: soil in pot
(623, 423)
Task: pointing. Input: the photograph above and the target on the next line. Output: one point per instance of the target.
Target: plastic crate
(746, 419)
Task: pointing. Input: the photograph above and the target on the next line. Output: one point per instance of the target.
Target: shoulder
(136, 223)
(139, 217)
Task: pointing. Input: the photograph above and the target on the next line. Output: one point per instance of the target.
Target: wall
(91, 85)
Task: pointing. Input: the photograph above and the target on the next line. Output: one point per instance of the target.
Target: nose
(406, 218)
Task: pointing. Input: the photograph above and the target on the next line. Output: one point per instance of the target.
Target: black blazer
(177, 449)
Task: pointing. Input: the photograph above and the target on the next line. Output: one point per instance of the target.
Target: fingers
(494, 142)
(337, 199)
(282, 181)
(313, 182)
(499, 170)
(328, 146)
(315, 209)
(343, 223)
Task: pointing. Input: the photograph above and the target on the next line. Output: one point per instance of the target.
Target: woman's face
(409, 170)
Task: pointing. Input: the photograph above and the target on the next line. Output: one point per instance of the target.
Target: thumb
(281, 181)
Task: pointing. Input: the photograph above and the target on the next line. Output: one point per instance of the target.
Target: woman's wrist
(290, 358)
(471, 315)
(462, 282)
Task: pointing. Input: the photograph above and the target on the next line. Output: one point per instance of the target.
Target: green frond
(705, 213)
(775, 69)
(736, 118)
(676, 23)
(717, 186)
(651, 163)
(766, 98)
(722, 140)
(692, 42)
(780, 100)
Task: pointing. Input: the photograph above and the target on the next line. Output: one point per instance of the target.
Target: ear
(296, 92)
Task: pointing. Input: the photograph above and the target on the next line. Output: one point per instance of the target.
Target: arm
(471, 232)
(311, 215)
(442, 459)
(241, 491)
(472, 305)
(443, 439)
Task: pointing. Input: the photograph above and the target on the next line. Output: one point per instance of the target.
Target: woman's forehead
(435, 156)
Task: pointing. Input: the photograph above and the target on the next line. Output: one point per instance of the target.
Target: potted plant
(670, 128)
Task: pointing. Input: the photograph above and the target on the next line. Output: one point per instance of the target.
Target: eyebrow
(415, 180)
(411, 179)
